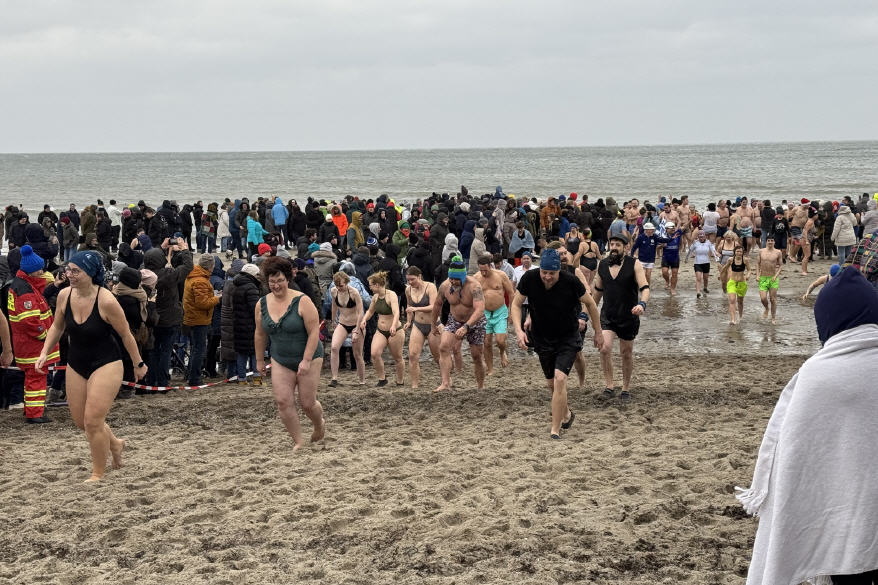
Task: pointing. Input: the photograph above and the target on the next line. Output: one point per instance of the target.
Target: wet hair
(497, 257)
(276, 265)
(711, 206)
(738, 247)
(553, 245)
(340, 278)
(379, 278)
(413, 271)
(485, 259)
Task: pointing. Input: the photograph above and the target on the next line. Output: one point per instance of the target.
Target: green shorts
(735, 287)
(767, 282)
(496, 320)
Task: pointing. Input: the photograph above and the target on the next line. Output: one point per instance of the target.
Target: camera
(172, 241)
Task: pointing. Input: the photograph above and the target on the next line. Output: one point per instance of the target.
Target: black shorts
(626, 331)
(705, 268)
(666, 264)
(557, 354)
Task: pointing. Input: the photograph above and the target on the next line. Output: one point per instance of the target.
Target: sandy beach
(414, 487)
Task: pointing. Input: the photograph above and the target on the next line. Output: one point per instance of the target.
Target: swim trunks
(625, 331)
(649, 265)
(476, 333)
(495, 321)
(668, 264)
(767, 282)
(735, 287)
(557, 355)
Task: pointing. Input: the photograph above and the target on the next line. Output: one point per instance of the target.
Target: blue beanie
(550, 260)
(848, 300)
(30, 262)
(457, 269)
(91, 263)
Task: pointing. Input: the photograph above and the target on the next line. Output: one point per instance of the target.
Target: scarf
(138, 293)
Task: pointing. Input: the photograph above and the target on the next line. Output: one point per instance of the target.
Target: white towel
(815, 485)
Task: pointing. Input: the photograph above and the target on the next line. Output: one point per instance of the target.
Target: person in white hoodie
(222, 230)
(843, 233)
(814, 486)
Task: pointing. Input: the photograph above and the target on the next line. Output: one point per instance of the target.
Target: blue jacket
(255, 232)
(232, 227)
(279, 213)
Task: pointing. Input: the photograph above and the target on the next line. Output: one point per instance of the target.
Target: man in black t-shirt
(557, 300)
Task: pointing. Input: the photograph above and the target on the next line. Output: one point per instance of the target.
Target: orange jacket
(550, 208)
(30, 319)
(198, 298)
(340, 221)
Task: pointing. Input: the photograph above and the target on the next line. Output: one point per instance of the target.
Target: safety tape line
(161, 388)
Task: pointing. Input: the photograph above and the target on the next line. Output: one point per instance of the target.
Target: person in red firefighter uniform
(30, 319)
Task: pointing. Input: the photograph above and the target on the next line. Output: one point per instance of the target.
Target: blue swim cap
(550, 260)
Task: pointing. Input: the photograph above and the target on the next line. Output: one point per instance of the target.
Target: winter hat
(207, 262)
(313, 247)
(91, 263)
(30, 262)
(326, 247)
(263, 248)
(846, 301)
(573, 196)
(299, 264)
(117, 266)
(464, 207)
(130, 277)
(126, 213)
(250, 269)
(148, 277)
(328, 217)
(457, 269)
(65, 220)
(235, 268)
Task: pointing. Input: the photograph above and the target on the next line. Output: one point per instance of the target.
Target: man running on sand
(557, 300)
(465, 319)
(498, 290)
(618, 281)
(768, 270)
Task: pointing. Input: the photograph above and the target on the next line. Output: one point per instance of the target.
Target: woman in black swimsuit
(736, 273)
(94, 321)
(347, 309)
(588, 255)
(418, 316)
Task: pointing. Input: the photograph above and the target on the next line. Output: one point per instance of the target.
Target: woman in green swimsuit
(389, 334)
(289, 319)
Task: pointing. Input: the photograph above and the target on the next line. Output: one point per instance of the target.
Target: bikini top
(425, 300)
(738, 267)
(381, 306)
(349, 305)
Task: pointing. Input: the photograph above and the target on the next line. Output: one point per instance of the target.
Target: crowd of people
(274, 279)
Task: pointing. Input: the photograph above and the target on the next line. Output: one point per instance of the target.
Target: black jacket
(362, 267)
(244, 298)
(168, 285)
(326, 231)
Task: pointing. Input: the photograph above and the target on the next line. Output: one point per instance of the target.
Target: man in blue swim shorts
(498, 291)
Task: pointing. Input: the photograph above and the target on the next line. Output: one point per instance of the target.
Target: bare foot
(489, 372)
(731, 322)
(673, 293)
(116, 452)
(93, 479)
(297, 446)
(773, 321)
(414, 387)
(765, 314)
(806, 273)
(319, 432)
(441, 387)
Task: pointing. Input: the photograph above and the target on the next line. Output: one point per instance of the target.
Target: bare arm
(309, 315)
(478, 305)
(508, 289)
(598, 289)
(643, 285)
(260, 339)
(55, 330)
(393, 301)
(437, 304)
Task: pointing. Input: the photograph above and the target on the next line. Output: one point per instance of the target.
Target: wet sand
(414, 487)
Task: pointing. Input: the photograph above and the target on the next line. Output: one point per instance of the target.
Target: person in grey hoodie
(844, 232)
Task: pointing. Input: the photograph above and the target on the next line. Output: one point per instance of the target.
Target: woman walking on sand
(94, 321)
(389, 333)
(419, 314)
(289, 320)
(347, 308)
(735, 273)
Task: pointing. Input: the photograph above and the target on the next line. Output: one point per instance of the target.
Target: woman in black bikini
(419, 315)
(347, 309)
(588, 255)
(94, 321)
(736, 273)
(386, 306)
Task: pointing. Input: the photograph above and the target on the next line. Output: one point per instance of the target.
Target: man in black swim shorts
(618, 281)
(556, 300)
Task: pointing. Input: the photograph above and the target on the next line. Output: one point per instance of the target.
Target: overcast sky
(193, 75)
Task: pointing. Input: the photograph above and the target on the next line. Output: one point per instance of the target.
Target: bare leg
(607, 357)
(479, 365)
(674, 281)
(763, 297)
(559, 402)
(806, 255)
(458, 356)
(434, 340)
(101, 389)
(626, 348)
(579, 364)
(416, 345)
(446, 349)
(283, 385)
(666, 276)
(307, 387)
(379, 342)
(501, 345)
(740, 308)
(395, 345)
(648, 273)
(338, 337)
(732, 297)
(773, 296)
(358, 341)
(698, 283)
(489, 353)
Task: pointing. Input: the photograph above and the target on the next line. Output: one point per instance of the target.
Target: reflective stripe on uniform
(24, 315)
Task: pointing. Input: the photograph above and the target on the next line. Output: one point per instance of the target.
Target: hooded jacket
(450, 248)
(478, 248)
(324, 263)
(198, 298)
(29, 319)
(279, 213)
(37, 239)
(466, 239)
(245, 296)
(438, 231)
(167, 288)
(362, 266)
(843, 231)
(340, 220)
(227, 314)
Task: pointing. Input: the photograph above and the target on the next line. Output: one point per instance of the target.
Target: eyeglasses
(72, 270)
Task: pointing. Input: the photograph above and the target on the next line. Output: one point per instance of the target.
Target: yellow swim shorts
(735, 287)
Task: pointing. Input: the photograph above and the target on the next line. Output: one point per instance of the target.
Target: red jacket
(30, 319)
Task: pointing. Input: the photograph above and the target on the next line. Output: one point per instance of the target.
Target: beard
(614, 258)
